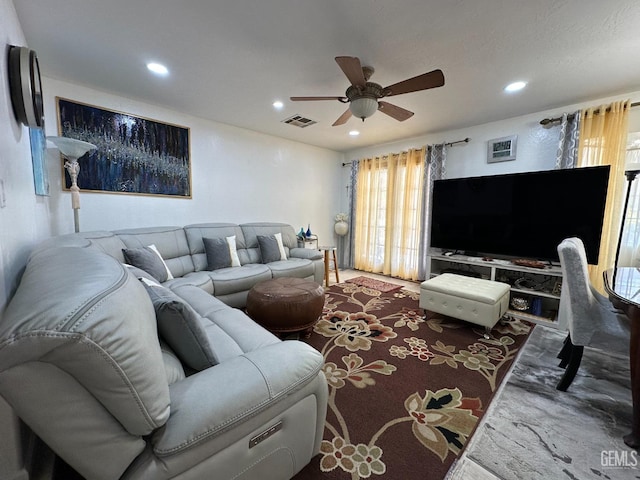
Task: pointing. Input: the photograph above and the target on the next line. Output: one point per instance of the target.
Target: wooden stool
(326, 251)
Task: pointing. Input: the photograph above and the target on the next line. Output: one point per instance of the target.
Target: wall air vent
(299, 121)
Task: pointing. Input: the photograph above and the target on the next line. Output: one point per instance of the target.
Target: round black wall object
(25, 86)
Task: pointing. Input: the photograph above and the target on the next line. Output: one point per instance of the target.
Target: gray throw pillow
(181, 327)
(218, 253)
(269, 249)
(146, 259)
(139, 273)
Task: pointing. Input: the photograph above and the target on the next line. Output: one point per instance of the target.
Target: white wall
(536, 145)
(21, 221)
(237, 176)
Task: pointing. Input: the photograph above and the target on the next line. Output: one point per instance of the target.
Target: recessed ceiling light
(278, 105)
(158, 68)
(515, 86)
(354, 133)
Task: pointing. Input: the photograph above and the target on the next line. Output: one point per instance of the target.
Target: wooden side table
(327, 260)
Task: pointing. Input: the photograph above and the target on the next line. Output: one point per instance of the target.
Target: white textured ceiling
(229, 60)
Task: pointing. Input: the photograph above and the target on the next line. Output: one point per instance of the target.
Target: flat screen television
(524, 215)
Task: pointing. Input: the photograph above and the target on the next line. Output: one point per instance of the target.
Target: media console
(535, 292)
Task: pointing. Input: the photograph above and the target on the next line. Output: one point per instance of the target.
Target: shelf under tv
(546, 281)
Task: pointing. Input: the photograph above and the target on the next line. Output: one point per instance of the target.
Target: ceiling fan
(363, 96)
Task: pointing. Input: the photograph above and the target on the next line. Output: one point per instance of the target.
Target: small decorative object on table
(341, 226)
(524, 262)
(519, 303)
(308, 234)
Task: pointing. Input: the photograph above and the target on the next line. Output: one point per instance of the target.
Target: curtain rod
(547, 121)
(448, 144)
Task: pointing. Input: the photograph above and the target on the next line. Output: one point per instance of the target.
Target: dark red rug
(405, 392)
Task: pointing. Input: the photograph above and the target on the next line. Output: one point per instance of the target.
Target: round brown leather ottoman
(286, 304)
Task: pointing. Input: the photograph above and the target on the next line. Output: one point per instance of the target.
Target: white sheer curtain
(388, 214)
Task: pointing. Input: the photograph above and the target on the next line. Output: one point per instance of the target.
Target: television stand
(537, 290)
(460, 271)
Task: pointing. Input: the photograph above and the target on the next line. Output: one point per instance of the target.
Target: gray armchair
(590, 317)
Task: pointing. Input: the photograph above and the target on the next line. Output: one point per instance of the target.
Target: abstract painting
(135, 155)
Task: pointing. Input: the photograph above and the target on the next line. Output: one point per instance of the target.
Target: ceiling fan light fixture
(363, 107)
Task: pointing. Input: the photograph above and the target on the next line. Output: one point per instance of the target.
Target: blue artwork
(134, 155)
(38, 160)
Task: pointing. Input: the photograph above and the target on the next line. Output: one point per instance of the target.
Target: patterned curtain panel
(567, 153)
(348, 239)
(603, 141)
(436, 169)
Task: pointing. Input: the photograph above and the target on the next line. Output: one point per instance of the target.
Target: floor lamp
(72, 149)
(631, 174)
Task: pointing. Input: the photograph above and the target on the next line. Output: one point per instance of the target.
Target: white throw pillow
(235, 261)
(155, 249)
(283, 254)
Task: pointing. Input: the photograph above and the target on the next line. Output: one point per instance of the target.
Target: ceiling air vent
(298, 121)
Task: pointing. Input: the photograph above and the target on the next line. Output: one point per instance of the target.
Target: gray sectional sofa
(183, 250)
(83, 364)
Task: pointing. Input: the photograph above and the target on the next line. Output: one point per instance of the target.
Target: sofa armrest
(213, 401)
(307, 253)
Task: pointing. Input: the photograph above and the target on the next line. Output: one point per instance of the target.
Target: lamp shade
(632, 167)
(71, 148)
(363, 107)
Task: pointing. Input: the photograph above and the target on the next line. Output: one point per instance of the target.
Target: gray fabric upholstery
(195, 233)
(269, 250)
(172, 367)
(81, 363)
(147, 260)
(181, 327)
(217, 252)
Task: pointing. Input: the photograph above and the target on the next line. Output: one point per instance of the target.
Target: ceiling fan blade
(421, 82)
(343, 118)
(352, 69)
(305, 99)
(394, 111)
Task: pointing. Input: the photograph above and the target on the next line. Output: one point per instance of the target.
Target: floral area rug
(405, 392)
(384, 287)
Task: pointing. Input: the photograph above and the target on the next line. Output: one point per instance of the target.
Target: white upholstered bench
(474, 300)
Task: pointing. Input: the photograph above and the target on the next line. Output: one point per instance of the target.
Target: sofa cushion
(270, 250)
(149, 260)
(232, 280)
(294, 267)
(172, 366)
(181, 327)
(196, 232)
(170, 241)
(218, 253)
